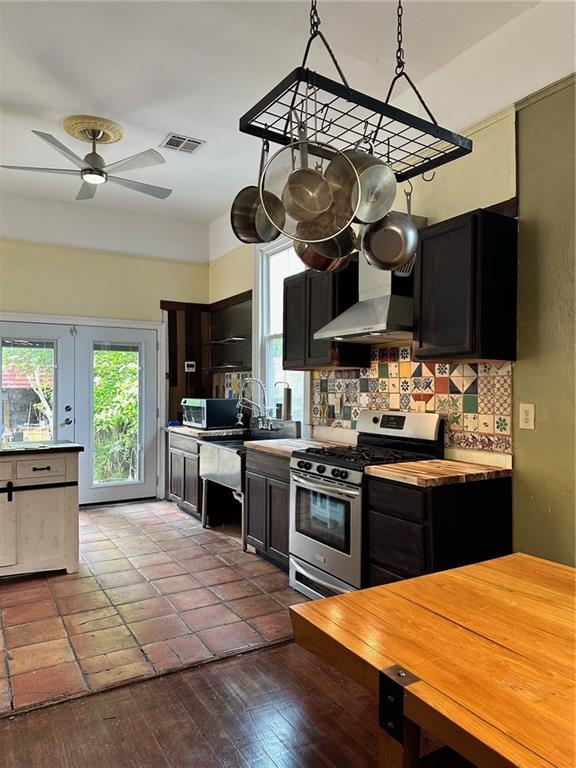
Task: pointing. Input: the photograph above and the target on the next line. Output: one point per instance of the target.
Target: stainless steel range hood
(382, 313)
(385, 310)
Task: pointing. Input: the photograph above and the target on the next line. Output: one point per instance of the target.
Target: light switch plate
(189, 366)
(527, 416)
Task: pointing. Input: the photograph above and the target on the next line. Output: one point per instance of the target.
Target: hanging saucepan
(249, 221)
(336, 247)
(316, 261)
(376, 188)
(390, 243)
(306, 193)
(282, 168)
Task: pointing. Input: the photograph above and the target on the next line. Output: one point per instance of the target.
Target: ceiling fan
(93, 169)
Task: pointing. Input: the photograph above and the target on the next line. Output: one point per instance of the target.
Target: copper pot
(316, 261)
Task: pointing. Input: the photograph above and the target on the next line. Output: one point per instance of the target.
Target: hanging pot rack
(339, 116)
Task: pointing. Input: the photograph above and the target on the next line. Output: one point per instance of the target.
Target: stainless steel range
(326, 496)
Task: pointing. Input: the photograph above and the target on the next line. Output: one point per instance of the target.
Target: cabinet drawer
(396, 544)
(397, 499)
(183, 443)
(5, 470)
(43, 467)
(268, 465)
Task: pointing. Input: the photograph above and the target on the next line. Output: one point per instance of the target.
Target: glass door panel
(36, 383)
(116, 413)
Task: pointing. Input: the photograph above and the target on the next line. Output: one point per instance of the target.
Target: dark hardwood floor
(276, 708)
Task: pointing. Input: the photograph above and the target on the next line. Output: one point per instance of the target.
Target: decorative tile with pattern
(475, 398)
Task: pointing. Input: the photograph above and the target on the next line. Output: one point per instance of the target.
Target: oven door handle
(353, 493)
(332, 587)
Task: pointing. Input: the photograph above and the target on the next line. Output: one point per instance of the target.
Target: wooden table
(480, 657)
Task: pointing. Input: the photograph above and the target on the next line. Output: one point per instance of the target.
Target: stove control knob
(301, 465)
(375, 419)
(343, 474)
(308, 465)
(335, 473)
(320, 469)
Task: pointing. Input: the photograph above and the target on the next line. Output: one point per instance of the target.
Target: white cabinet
(39, 513)
(7, 531)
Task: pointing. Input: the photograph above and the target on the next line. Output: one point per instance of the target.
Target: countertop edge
(72, 448)
(408, 475)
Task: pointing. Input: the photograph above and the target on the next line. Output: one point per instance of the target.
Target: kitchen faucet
(264, 422)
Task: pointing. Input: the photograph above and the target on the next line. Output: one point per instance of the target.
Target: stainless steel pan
(375, 189)
(391, 242)
(316, 261)
(249, 220)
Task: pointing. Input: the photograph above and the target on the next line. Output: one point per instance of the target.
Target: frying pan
(248, 218)
(391, 242)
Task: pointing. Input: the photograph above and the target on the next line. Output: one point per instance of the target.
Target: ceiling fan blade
(40, 170)
(141, 160)
(86, 192)
(59, 147)
(137, 186)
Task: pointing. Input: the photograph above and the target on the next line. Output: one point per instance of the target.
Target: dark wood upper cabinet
(465, 288)
(312, 299)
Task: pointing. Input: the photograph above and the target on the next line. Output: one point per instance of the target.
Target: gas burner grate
(337, 115)
(362, 456)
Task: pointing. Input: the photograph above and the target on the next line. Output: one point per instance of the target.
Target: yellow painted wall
(232, 273)
(484, 177)
(56, 280)
(545, 460)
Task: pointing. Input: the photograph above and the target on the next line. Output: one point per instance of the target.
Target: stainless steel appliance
(326, 496)
(209, 413)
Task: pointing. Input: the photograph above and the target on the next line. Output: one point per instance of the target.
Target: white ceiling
(194, 67)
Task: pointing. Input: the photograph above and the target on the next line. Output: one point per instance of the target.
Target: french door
(94, 385)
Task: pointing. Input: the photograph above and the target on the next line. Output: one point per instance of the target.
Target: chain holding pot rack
(340, 116)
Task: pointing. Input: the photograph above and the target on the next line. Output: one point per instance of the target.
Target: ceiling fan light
(93, 176)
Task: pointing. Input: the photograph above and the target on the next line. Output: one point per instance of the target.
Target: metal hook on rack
(431, 177)
(411, 187)
(325, 123)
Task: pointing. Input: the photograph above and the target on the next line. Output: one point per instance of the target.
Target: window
(275, 264)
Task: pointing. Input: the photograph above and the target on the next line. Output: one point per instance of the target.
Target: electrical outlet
(527, 416)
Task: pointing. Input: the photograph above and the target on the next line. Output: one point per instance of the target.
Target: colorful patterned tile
(428, 383)
(405, 353)
(383, 385)
(428, 369)
(394, 385)
(374, 354)
(393, 369)
(442, 404)
(486, 369)
(470, 403)
(456, 369)
(405, 385)
(416, 369)
(394, 401)
(455, 421)
(486, 423)
(456, 384)
(431, 405)
(442, 369)
(470, 422)
(442, 385)
(470, 369)
(385, 400)
(383, 370)
(502, 424)
(455, 402)
(405, 369)
(503, 369)
(405, 401)
(364, 399)
(470, 385)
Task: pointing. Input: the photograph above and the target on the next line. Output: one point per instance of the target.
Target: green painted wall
(544, 459)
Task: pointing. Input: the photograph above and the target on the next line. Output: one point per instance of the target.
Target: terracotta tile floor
(155, 592)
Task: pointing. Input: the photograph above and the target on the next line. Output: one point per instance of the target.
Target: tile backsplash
(233, 383)
(475, 398)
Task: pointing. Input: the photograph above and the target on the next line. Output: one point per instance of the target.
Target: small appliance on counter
(209, 413)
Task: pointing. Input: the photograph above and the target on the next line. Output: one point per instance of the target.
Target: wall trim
(544, 93)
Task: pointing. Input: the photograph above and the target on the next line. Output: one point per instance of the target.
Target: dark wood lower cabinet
(184, 486)
(268, 505)
(409, 532)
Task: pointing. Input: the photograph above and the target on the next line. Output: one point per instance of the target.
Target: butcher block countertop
(436, 472)
(284, 447)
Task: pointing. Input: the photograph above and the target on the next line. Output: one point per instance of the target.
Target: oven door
(326, 526)
(194, 415)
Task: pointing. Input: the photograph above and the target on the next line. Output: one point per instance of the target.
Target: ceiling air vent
(182, 143)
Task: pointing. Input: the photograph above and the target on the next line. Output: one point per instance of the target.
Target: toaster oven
(209, 413)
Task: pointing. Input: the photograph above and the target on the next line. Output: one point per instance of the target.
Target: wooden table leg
(393, 754)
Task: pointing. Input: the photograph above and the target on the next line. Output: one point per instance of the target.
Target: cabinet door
(191, 481)
(320, 310)
(176, 474)
(294, 327)
(43, 525)
(256, 510)
(445, 290)
(278, 520)
(7, 531)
